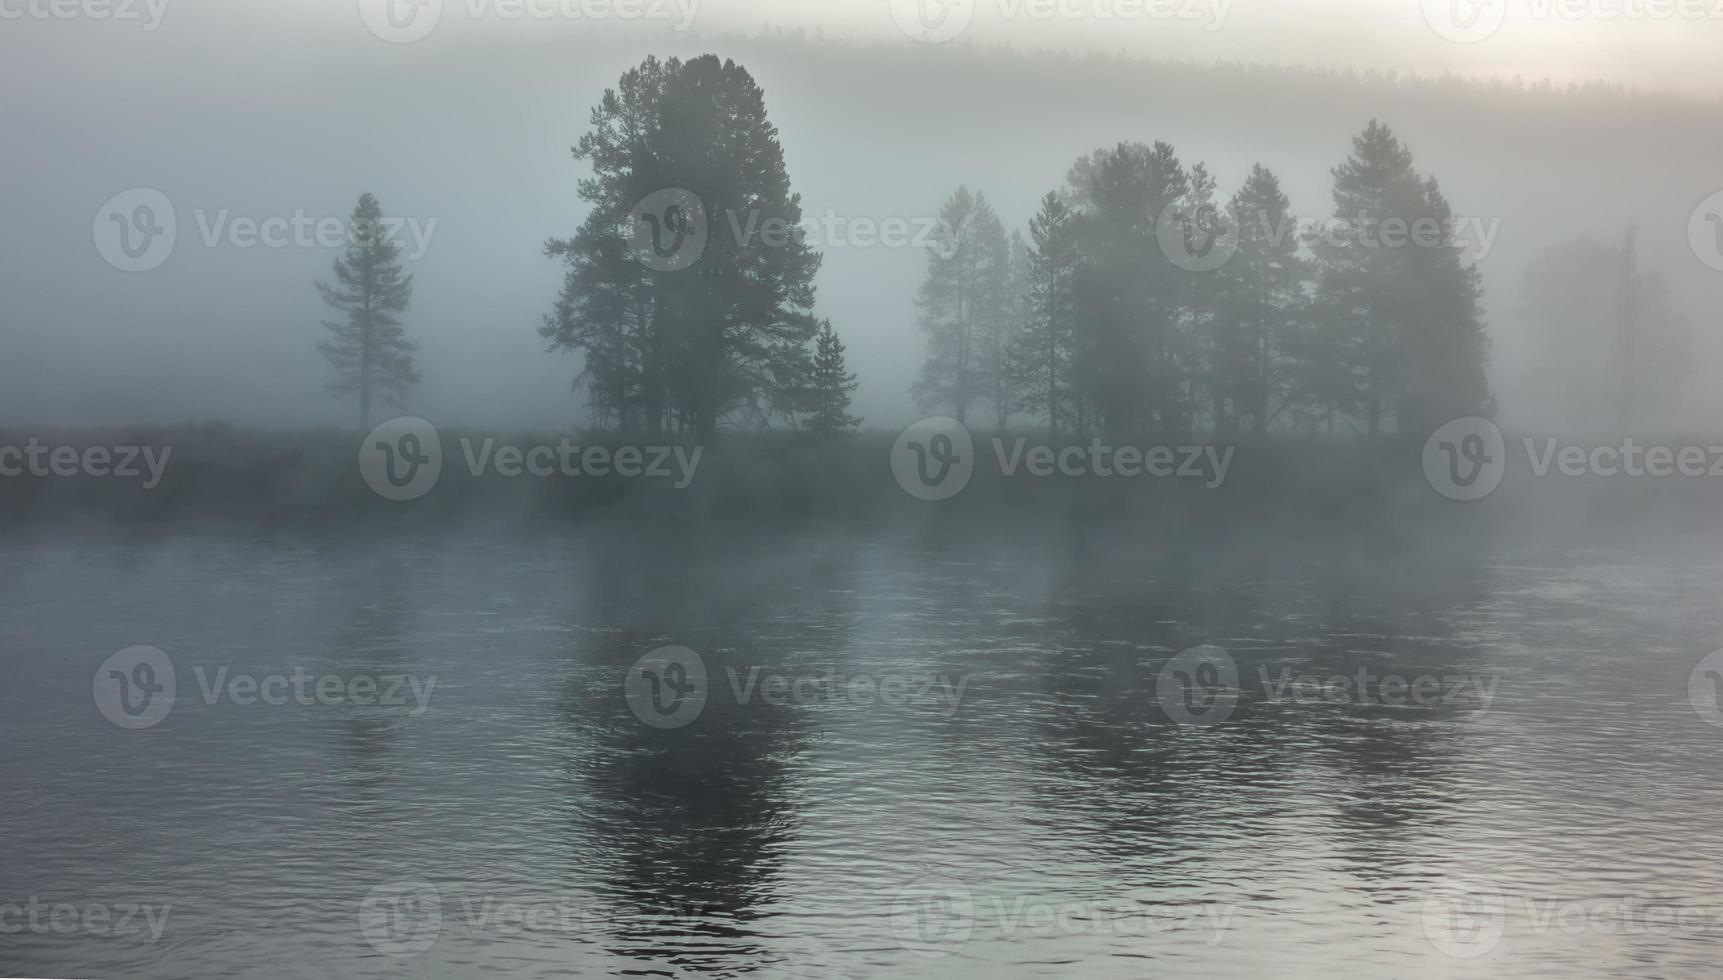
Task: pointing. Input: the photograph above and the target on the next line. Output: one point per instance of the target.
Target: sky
(1646, 43)
(1665, 44)
(243, 115)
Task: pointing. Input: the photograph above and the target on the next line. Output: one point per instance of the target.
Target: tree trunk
(1052, 383)
(365, 370)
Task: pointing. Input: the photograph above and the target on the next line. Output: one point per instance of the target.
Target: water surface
(1050, 820)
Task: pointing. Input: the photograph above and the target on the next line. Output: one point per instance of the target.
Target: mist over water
(1083, 830)
(893, 488)
(233, 116)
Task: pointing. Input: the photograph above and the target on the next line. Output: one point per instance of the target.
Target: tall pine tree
(1045, 355)
(368, 350)
(1363, 293)
(1130, 299)
(1445, 348)
(829, 387)
(727, 333)
(1261, 304)
(1397, 309)
(960, 302)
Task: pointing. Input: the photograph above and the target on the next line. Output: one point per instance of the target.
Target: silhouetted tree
(829, 386)
(724, 328)
(1000, 317)
(1129, 296)
(1119, 313)
(606, 311)
(1445, 347)
(1362, 287)
(960, 302)
(1261, 304)
(369, 351)
(1045, 353)
(1197, 297)
(1402, 319)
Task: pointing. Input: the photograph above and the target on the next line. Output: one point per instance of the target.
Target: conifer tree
(958, 302)
(1129, 296)
(1362, 287)
(721, 325)
(1045, 356)
(1001, 320)
(830, 385)
(368, 350)
(1397, 309)
(1262, 304)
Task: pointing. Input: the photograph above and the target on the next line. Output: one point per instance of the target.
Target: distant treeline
(1113, 317)
(1141, 306)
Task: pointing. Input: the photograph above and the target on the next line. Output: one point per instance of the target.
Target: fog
(861, 488)
(238, 112)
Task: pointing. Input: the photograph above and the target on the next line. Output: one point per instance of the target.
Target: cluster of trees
(729, 334)
(1090, 324)
(670, 343)
(1095, 325)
